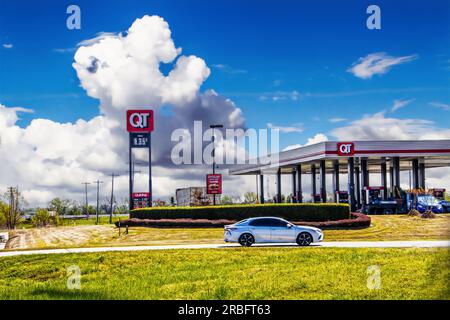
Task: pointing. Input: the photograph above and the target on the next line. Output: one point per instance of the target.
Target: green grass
(247, 273)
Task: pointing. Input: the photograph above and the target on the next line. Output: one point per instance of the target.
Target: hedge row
(288, 211)
(359, 221)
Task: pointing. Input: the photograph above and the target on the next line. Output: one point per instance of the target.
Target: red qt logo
(346, 148)
(139, 120)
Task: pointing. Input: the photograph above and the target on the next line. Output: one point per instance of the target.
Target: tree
(226, 200)
(14, 213)
(59, 205)
(250, 197)
(4, 209)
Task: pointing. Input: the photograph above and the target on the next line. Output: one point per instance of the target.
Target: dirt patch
(56, 237)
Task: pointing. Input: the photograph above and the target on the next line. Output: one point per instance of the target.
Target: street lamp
(214, 126)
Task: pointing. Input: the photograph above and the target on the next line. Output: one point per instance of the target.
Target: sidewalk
(334, 244)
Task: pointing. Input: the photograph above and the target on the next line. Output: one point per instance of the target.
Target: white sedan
(270, 230)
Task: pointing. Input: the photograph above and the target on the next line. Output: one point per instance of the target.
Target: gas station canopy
(357, 159)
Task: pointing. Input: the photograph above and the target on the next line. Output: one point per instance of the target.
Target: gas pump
(374, 194)
(342, 196)
(376, 204)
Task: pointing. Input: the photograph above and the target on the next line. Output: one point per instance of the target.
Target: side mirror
(289, 225)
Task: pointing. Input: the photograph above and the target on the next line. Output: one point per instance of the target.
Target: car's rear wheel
(304, 239)
(246, 240)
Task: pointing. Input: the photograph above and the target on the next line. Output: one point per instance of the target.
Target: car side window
(260, 223)
(278, 223)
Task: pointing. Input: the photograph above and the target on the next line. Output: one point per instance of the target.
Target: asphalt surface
(336, 244)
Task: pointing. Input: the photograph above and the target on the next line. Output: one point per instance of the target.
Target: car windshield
(427, 199)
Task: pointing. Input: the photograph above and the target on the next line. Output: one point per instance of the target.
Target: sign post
(140, 124)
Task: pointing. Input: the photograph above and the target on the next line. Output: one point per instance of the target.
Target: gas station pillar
(294, 187)
(299, 184)
(261, 188)
(335, 179)
(384, 177)
(351, 184)
(422, 175)
(323, 182)
(364, 180)
(313, 182)
(278, 186)
(415, 173)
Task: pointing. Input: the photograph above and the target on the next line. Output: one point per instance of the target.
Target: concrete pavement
(335, 244)
(4, 236)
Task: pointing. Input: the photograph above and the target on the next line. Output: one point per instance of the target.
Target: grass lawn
(243, 273)
(399, 227)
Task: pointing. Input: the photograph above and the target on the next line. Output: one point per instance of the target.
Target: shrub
(413, 213)
(44, 218)
(41, 218)
(428, 215)
(288, 211)
(359, 220)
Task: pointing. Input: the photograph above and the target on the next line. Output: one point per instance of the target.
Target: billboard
(140, 199)
(214, 184)
(140, 120)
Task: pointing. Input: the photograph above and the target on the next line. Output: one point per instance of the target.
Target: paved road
(341, 244)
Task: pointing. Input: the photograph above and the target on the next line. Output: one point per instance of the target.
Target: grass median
(246, 273)
(383, 228)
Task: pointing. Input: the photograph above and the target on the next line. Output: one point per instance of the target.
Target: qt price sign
(214, 184)
(139, 140)
(140, 120)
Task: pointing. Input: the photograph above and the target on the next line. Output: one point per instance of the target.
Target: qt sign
(139, 120)
(346, 148)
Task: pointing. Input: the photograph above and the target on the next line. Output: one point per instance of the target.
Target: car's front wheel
(304, 239)
(246, 240)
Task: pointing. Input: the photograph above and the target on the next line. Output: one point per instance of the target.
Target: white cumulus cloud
(121, 70)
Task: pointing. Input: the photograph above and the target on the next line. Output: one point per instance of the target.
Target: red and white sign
(140, 120)
(214, 184)
(137, 195)
(140, 199)
(346, 148)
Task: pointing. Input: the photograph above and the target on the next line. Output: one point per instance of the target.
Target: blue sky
(283, 62)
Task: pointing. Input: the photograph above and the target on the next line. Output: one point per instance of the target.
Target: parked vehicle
(428, 202)
(402, 203)
(439, 194)
(270, 230)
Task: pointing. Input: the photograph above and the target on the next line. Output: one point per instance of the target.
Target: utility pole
(85, 189)
(98, 191)
(213, 138)
(112, 197)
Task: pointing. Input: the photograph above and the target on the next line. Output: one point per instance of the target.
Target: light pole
(214, 126)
